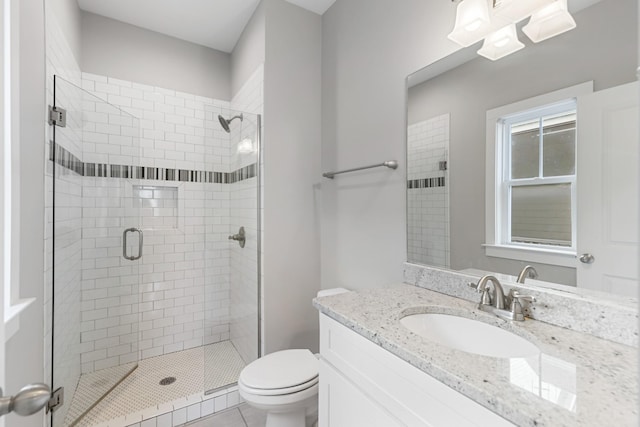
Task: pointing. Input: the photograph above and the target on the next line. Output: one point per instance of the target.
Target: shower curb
(180, 411)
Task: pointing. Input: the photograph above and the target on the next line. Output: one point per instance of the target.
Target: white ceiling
(317, 6)
(217, 24)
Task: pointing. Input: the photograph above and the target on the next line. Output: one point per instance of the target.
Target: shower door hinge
(57, 116)
(56, 401)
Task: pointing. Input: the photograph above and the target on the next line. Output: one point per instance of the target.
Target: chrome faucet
(496, 302)
(527, 272)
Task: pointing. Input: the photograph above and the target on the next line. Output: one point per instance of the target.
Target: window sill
(563, 258)
(12, 317)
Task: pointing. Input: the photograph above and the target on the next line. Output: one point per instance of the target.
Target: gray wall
(468, 91)
(115, 49)
(292, 95)
(25, 351)
(249, 51)
(368, 49)
(68, 15)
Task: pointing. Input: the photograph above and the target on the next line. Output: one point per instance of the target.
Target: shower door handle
(124, 244)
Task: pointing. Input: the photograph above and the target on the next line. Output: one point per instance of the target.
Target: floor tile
(229, 418)
(252, 416)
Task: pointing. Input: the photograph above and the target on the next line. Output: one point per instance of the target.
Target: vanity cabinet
(361, 384)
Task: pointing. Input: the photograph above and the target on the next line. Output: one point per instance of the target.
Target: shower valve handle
(240, 237)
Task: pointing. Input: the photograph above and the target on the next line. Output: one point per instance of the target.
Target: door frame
(22, 78)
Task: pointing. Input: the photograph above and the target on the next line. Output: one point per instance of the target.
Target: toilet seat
(279, 391)
(283, 402)
(280, 373)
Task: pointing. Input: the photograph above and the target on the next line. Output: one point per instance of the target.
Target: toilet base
(291, 419)
(312, 420)
(286, 419)
(294, 410)
(305, 415)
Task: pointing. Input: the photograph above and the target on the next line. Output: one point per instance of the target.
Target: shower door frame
(259, 234)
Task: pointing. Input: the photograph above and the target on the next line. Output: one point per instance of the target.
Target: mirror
(503, 171)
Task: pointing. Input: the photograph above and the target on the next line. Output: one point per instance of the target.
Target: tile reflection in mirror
(428, 192)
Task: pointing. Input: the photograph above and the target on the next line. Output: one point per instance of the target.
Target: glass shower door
(232, 288)
(96, 248)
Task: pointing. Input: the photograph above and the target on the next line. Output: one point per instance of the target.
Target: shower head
(225, 122)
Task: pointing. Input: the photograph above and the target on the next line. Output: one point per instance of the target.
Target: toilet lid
(279, 370)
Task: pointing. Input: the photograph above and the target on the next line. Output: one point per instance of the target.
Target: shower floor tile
(142, 390)
(91, 387)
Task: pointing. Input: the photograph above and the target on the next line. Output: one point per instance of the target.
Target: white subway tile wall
(428, 192)
(110, 285)
(178, 130)
(185, 267)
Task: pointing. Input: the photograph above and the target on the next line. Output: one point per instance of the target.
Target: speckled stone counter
(577, 380)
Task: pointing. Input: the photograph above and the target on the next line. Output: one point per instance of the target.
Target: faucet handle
(486, 296)
(516, 304)
(515, 295)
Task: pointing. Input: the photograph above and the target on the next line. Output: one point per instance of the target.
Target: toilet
(285, 384)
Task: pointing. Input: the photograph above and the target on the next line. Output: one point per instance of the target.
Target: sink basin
(471, 336)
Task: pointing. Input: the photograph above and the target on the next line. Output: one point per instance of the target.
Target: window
(531, 178)
(537, 192)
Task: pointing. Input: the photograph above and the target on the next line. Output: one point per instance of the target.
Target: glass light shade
(517, 10)
(472, 22)
(549, 21)
(501, 43)
(245, 146)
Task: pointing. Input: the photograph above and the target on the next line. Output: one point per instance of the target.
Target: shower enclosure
(149, 288)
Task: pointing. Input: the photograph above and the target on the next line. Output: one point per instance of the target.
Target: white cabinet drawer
(410, 395)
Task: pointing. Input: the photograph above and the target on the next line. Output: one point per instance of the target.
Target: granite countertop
(577, 380)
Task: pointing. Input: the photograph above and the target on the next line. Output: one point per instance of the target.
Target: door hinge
(57, 116)
(56, 401)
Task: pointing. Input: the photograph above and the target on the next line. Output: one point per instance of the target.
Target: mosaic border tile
(67, 160)
(426, 183)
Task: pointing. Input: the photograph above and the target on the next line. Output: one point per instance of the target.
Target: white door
(22, 111)
(608, 190)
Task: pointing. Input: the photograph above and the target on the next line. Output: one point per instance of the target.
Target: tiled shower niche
(158, 205)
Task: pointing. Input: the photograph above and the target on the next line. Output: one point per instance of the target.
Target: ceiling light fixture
(501, 43)
(517, 10)
(549, 21)
(494, 21)
(472, 22)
